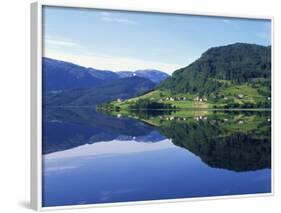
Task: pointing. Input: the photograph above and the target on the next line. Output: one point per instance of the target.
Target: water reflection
(234, 141)
(97, 158)
(66, 128)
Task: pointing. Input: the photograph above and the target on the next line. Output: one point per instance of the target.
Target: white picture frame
(36, 100)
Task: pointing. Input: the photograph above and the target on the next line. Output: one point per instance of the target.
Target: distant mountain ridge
(153, 75)
(120, 89)
(60, 75)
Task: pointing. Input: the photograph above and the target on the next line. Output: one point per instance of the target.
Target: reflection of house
(200, 118)
(213, 122)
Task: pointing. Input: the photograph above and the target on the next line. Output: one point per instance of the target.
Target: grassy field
(230, 96)
(242, 122)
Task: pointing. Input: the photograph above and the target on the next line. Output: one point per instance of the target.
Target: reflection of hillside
(66, 128)
(235, 141)
(222, 143)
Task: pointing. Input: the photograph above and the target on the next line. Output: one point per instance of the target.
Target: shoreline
(181, 109)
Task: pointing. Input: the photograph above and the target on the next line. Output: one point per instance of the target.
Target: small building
(119, 100)
(240, 96)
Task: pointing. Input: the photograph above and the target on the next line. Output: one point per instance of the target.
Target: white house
(240, 96)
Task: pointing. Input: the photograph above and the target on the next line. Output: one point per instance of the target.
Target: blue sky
(115, 40)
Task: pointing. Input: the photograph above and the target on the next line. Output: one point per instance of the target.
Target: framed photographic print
(134, 106)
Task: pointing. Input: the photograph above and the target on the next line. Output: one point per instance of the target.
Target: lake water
(90, 157)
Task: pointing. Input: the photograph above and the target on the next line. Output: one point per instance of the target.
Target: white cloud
(110, 17)
(60, 43)
(106, 14)
(114, 63)
(231, 23)
(118, 20)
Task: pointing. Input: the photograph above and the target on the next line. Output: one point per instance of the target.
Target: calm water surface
(91, 157)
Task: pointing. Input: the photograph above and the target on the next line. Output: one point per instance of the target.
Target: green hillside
(232, 76)
(237, 63)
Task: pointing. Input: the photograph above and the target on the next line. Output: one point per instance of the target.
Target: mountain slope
(232, 76)
(60, 75)
(153, 75)
(237, 63)
(104, 75)
(121, 88)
